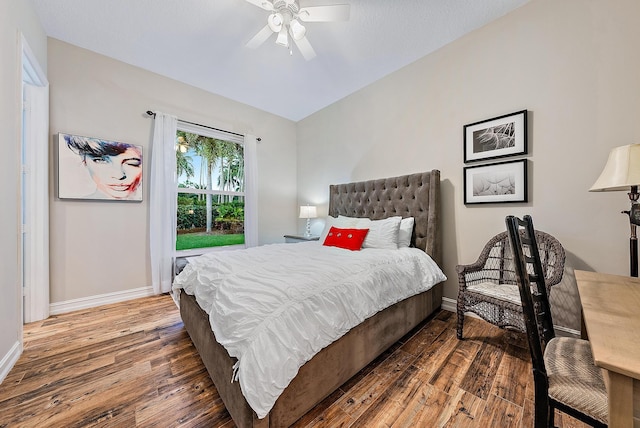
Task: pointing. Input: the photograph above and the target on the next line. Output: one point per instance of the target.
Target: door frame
(34, 189)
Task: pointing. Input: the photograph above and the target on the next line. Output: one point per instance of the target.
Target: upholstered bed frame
(415, 195)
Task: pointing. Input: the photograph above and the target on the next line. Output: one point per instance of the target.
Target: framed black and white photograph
(496, 138)
(94, 168)
(496, 183)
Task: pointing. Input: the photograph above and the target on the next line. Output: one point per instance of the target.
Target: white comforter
(274, 307)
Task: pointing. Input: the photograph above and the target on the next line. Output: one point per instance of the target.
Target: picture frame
(501, 182)
(92, 168)
(495, 138)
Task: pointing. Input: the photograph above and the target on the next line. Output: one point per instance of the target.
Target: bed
(415, 195)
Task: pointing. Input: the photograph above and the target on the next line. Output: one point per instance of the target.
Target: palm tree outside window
(211, 191)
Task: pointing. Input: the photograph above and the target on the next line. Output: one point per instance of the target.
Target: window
(211, 189)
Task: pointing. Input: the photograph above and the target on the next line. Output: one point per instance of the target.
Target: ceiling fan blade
(305, 48)
(264, 4)
(337, 12)
(260, 38)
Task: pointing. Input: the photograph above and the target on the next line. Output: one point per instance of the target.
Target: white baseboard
(449, 304)
(99, 300)
(9, 360)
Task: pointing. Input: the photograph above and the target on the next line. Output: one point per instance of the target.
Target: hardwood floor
(132, 364)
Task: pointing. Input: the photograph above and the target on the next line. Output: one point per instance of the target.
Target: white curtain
(162, 202)
(251, 191)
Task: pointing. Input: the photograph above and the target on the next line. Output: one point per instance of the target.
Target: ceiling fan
(285, 20)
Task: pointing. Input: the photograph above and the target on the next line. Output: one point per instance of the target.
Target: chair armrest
(479, 265)
(463, 270)
(473, 267)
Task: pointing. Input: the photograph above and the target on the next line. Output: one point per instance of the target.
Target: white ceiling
(202, 43)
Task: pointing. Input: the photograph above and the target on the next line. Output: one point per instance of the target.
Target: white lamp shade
(621, 171)
(296, 29)
(282, 38)
(275, 22)
(308, 211)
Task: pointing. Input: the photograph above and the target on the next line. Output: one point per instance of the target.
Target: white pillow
(404, 234)
(340, 222)
(355, 222)
(382, 233)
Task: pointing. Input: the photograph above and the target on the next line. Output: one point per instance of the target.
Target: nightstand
(289, 239)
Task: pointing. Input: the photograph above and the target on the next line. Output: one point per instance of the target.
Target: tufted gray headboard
(413, 195)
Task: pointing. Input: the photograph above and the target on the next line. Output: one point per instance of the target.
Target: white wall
(16, 16)
(102, 247)
(574, 64)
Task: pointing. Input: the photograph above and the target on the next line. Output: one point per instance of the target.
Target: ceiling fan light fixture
(296, 29)
(283, 39)
(275, 22)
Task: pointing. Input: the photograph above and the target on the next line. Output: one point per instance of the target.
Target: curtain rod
(150, 113)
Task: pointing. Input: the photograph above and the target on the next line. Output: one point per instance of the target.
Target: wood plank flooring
(132, 364)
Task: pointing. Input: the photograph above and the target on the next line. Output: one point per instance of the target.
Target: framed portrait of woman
(97, 169)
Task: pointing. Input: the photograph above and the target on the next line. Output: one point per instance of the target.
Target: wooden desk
(611, 310)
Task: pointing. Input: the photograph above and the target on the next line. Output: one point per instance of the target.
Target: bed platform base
(321, 375)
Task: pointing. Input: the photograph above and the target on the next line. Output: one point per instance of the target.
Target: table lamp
(622, 172)
(308, 212)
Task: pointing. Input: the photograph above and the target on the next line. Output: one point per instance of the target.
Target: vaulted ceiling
(202, 43)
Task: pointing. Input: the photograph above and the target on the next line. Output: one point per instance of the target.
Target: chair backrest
(498, 260)
(530, 277)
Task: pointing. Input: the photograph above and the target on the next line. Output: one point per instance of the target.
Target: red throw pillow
(350, 239)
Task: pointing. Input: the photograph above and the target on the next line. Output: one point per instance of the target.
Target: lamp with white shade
(308, 212)
(622, 172)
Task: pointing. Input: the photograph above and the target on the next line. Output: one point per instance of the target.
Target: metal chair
(564, 374)
(488, 287)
